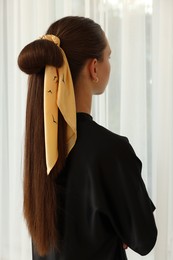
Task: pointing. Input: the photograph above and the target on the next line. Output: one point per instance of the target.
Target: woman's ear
(93, 69)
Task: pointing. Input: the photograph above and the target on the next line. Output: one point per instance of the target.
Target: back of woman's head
(81, 39)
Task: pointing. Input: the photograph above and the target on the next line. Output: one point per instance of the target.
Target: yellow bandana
(58, 94)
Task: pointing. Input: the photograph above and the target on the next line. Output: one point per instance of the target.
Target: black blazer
(103, 199)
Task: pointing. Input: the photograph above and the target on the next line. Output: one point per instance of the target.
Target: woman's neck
(83, 99)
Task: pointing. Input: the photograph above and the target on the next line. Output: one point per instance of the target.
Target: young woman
(84, 198)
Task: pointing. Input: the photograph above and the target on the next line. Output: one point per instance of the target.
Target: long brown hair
(81, 39)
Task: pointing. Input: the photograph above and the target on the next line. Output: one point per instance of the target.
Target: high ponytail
(40, 191)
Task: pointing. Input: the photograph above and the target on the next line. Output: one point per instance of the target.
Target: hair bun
(36, 55)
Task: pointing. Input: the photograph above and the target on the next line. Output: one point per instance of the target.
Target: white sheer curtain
(138, 102)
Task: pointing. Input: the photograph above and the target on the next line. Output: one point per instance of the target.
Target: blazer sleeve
(126, 201)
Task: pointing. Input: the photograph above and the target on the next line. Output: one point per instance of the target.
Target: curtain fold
(138, 102)
(162, 135)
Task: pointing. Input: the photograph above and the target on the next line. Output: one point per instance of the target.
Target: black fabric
(105, 202)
